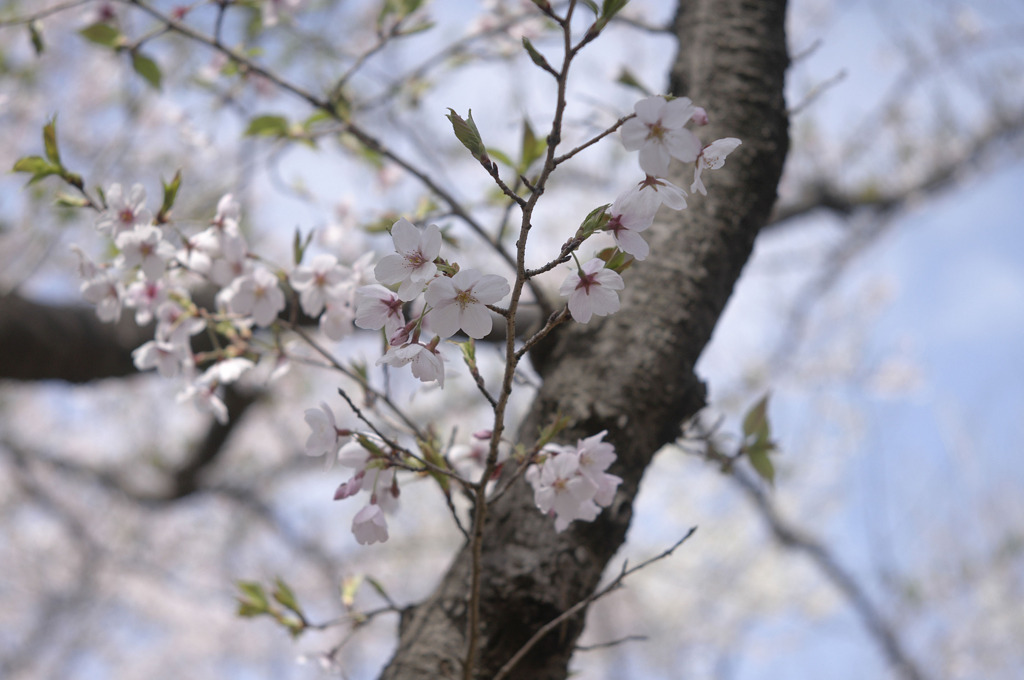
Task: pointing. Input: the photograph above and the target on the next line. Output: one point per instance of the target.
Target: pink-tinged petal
(491, 288)
(633, 132)
(650, 110)
(698, 185)
(409, 290)
(369, 525)
(677, 112)
(444, 319)
(609, 279)
(431, 242)
(569, 284)
(441, 288)
(715, 153)
(465, 279)
(581, 307)
(632, 243)
(405, 235)
(476, 321)
(604, 301)
(654, 159)
(391, 269)
(683, 145)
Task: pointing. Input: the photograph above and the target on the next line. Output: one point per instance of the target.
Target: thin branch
(583, 604)
(43, 13)
(361, 135)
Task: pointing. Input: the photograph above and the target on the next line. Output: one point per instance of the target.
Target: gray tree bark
(632, 373)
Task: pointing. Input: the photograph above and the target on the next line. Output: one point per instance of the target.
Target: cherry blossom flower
(427, 364)
(370, 526)
(258, 295)
(325, 437)
(202, 392)
(560, 489)
(379, 308)
(594, 458)
(230, 255)
(317, 282)
(712, 157)
(104, 291)
(655, 192)
(591, 290)
(659, 134)
(412, 265)
(175, 325)
(167, 358)
(228, 214)
(630, 214)
(144, 297)
(460, 302)
(123, 213)
(145, 248)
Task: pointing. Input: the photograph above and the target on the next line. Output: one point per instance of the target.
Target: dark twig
(583, 604)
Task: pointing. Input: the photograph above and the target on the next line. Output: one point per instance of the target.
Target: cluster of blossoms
(572, 482)
(450, 303)
(156, 267)
(658, 131)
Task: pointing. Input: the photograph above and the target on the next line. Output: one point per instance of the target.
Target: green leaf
(467, 133)
(103, 34)
(610, 8)
(40, 168)
(170, 194)
(551, 431)
(755, 423)
(616, 260)
(268, 126)
(36, 36)
(627, 78)
(535, 56)
(36, 166)
(593, 7)
(348, 590)
(286, 596)
(71, 201)
(501, 157)
(148, 69)
(468, 352)
(758, 456)
(532, 147)
(299, 245)
(253, 600)
(595, 219)
(50, 140)
(377, 586)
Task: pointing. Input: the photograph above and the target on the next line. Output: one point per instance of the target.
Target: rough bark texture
(632, 374)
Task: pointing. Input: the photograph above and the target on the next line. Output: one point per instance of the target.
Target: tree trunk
(632, 373)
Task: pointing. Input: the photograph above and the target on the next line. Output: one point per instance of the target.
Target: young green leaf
(758, 456)
(103, 34)
(50, 141)
(36, 36)
(148, 69)
(536, 57)
(268, 126)
(755, 423)
(170, 194)
(467, 133)
(38, 167)
(285, 596)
